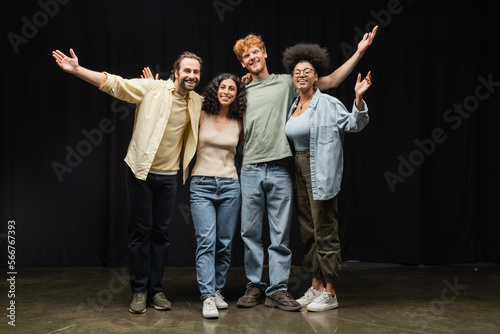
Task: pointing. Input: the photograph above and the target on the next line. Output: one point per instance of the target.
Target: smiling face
(304, 76)
(254, 60)
(227, 92)
(188, 76)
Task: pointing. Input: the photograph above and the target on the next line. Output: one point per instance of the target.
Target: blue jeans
(215, 207)
(267, 186)
(151, 206)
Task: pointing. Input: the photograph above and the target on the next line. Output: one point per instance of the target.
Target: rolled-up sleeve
(350, 121)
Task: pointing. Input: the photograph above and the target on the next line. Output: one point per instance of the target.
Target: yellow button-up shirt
(153, 99)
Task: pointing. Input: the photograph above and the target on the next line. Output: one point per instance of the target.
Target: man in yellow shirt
(165, 134)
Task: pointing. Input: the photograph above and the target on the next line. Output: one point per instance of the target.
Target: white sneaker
(323, 303)
(219, 300)
(309, 296)
(209, 309)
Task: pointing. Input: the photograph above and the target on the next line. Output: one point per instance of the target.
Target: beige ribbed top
(216, 149)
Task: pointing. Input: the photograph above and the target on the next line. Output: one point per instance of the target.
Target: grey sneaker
(219, 300)
(160, 302)
(138, 304)
(283, 300)
(250, 298)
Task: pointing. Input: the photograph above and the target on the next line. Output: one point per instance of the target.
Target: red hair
(243, 44)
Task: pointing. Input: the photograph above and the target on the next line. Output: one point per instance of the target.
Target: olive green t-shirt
(265, 118)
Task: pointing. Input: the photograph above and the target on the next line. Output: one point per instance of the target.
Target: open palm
(66, 63)
(362, 86)
(367, 40)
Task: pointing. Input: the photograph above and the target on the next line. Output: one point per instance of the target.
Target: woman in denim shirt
(315, 127)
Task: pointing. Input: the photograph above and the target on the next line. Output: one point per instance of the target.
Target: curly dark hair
(211, 104)
(312, 53)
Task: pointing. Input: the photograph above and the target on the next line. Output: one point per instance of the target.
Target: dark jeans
(151, 206)
(318, 225)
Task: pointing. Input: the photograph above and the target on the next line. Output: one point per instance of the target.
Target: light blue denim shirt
(329, 119)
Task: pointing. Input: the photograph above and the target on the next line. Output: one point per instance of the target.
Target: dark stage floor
(372, 299)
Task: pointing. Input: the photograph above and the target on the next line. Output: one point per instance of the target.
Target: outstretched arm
(70, 65)
(335, 79)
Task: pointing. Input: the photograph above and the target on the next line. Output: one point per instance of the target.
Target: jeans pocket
(248, 168)
(197, 180)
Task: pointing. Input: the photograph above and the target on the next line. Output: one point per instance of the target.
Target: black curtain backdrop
(421, 180)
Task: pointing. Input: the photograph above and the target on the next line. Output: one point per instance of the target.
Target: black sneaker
(250, 298)
(283, 300)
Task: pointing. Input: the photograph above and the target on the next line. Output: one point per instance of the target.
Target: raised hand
(367, 40)
(362, 86)
(147, 74)
(66, 63)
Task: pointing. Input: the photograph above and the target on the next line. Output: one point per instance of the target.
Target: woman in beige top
(215, 187)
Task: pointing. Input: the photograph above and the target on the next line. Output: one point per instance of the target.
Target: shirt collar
(315, 98)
